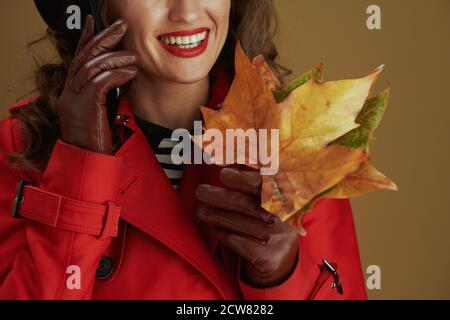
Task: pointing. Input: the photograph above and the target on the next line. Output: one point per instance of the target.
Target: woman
(101, 218)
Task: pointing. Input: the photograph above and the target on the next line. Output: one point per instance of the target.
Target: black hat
(54, 11)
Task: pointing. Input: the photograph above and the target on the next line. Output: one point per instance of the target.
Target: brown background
(406, 233)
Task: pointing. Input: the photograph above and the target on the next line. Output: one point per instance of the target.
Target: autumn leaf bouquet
(324, 130)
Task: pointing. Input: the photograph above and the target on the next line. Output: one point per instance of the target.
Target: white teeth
(187, 42)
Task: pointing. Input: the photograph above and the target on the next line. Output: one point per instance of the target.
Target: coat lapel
(151, 204)
(194, 176)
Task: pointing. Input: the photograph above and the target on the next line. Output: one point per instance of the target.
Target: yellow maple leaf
(310, 115)
(365, 179)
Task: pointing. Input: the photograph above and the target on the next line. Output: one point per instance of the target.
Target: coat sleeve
(331, 236)
(68, 220)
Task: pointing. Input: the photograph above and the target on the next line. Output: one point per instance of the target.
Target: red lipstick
(178, 51)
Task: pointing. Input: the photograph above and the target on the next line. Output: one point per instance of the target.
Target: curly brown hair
(252, 22)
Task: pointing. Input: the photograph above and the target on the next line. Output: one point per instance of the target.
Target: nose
(184, 10)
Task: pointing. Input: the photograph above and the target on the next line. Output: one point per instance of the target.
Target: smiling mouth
(185, 39)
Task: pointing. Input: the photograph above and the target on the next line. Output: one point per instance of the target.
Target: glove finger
(105, 62)
(230, 200)
(106, 81)
(101, 43)
(244, 181)
(243, 246)
(236, 222)
(86, 34)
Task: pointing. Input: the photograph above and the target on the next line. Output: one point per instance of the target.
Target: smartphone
(114, 95)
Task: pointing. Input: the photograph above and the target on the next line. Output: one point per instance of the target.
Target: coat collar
(151, 204)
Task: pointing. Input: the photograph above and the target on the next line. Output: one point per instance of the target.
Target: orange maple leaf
(317, 123)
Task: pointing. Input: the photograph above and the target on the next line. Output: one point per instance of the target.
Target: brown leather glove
(94, 71)
(268, 245)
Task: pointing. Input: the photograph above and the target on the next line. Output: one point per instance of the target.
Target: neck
(168, 104)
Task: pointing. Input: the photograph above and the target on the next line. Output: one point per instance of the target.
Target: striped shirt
(160, 140)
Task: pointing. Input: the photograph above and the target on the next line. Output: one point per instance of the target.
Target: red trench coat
(112, 227)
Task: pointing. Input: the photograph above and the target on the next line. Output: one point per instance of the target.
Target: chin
(188, 74)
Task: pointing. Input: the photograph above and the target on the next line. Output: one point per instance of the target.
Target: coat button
(105, 268)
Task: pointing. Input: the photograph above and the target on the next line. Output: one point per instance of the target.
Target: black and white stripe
(174, 172)
(160, 140)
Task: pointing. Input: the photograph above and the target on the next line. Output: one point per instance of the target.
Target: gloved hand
(94, 71)
(268, 245)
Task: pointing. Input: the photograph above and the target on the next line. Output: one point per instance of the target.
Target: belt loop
(56, 218)
(111, 221)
